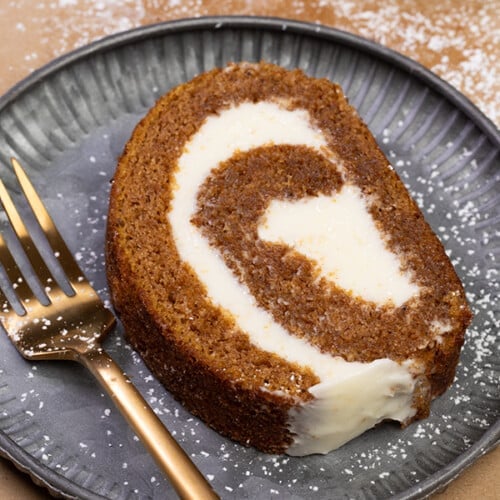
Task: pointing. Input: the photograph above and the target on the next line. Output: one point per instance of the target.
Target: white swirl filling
(339, 235)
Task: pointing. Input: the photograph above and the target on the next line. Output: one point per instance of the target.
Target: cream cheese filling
(338, 233)
(352, 396)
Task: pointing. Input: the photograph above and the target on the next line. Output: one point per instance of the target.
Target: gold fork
(57, 322)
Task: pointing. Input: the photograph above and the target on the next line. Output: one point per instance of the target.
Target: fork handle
(187, 480)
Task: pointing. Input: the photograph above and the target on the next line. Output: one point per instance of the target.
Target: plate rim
(401, 61)
(62, 486)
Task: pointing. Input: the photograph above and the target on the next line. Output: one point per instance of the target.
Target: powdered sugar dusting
(457, 40)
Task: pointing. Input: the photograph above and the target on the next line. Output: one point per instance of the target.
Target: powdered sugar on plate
(60, 417)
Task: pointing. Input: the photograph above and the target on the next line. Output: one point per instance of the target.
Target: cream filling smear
(351, 397)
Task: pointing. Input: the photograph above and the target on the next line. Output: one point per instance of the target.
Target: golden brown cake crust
(192, 347)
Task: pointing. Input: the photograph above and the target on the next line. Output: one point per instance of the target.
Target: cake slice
(272, 270)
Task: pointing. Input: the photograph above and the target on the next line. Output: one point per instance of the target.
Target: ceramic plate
(68, 123)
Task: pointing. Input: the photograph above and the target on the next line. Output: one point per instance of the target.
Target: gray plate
(68, 123)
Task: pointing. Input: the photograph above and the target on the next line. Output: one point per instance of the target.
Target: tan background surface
(458, 40)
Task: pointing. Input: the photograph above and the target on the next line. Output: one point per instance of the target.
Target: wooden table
(458, 40)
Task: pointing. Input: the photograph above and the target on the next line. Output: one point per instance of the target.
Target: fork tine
(44, 275)
(19, 284)
(59, 247)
